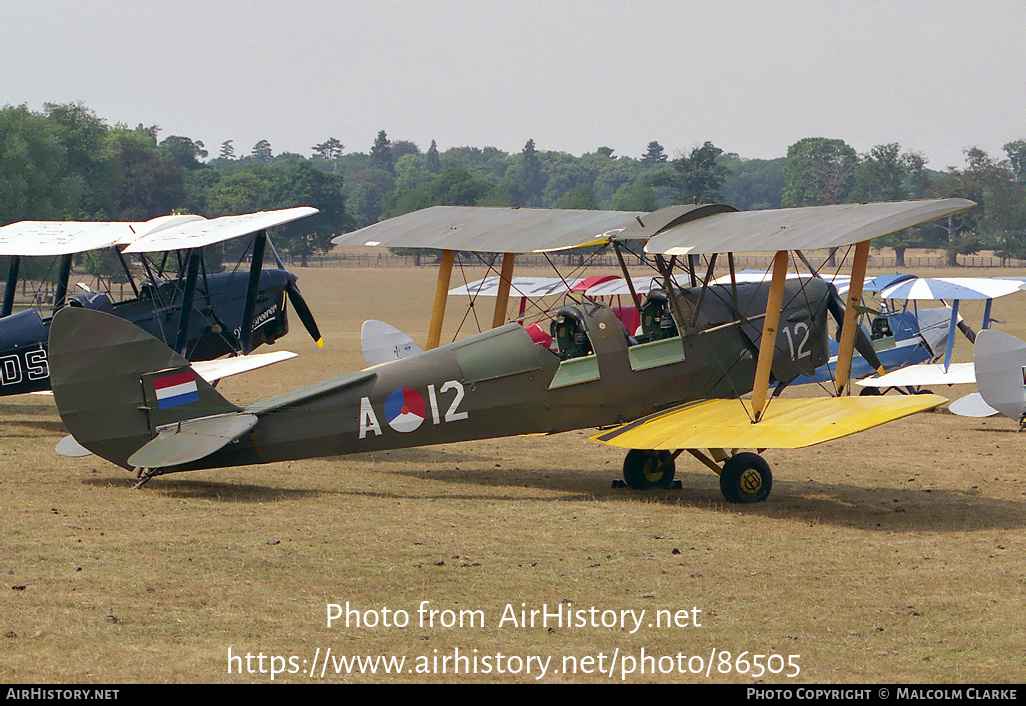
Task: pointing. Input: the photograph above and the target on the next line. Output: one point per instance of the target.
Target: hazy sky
(751, 77)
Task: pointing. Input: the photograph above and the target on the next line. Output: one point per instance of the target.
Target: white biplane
(940, 325)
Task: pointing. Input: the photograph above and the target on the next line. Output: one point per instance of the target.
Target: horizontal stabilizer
(787, 423)
(926, 374)
(71, 448)
(191, 440)
(972, 406)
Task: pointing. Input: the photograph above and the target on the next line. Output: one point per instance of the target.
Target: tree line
(65, 162)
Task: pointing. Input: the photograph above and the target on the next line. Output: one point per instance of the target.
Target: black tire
(640, 469)
(870, 392)
(746, 478)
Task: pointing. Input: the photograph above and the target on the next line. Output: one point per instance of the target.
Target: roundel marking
(404, 409)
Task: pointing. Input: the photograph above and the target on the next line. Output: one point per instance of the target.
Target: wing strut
(256, 266)
(509, 260)
(12, 284)
(61, 295)
(627, 278)
(188, 295)
(950, 348)
(847, 343)
(445, 263)
(768, 342)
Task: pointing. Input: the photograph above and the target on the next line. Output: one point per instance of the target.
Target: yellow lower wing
(786, 424)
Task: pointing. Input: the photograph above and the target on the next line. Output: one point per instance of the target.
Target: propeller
(966, 329)
(862, 343)
(303, 311)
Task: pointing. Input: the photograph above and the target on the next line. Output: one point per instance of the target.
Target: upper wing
(950, 288)
(676, 230)
(489, 229)
(54, 238)
(198, 233)
(798, 228)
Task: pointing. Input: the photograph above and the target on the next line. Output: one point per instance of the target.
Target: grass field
(896, 555)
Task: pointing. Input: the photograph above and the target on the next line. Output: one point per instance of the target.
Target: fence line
(742, 262)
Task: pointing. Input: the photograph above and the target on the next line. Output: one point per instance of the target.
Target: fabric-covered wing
(54, 238)
(786, 424)
(519, 286)
(950, 288)
(924, 374)
(798, 228)
(202, 232)
(212, 370)
(676, 230)
(490, 229)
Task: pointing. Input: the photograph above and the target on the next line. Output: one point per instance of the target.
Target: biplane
(704, 376)
(204, 316)
(941, 325)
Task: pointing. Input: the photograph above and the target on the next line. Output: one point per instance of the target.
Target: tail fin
(116, 386)
(383, 343)
(1000, 361)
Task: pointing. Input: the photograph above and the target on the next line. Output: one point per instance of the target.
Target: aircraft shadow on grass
(228, 492)
(837, 504)
(55, 427)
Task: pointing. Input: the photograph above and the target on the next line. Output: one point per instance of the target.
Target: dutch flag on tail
(175, 390)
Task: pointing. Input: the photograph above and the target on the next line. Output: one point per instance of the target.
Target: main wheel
(746, 478)
(644, 469)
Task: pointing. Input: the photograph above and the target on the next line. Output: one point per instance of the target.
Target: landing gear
(746, 478)
(644, 469)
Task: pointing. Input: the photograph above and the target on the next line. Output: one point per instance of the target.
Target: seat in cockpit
(656, 321)
(570, 332)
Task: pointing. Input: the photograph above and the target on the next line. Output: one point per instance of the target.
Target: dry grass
(892, 556)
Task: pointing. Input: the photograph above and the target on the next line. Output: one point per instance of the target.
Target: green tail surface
(116, 387)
